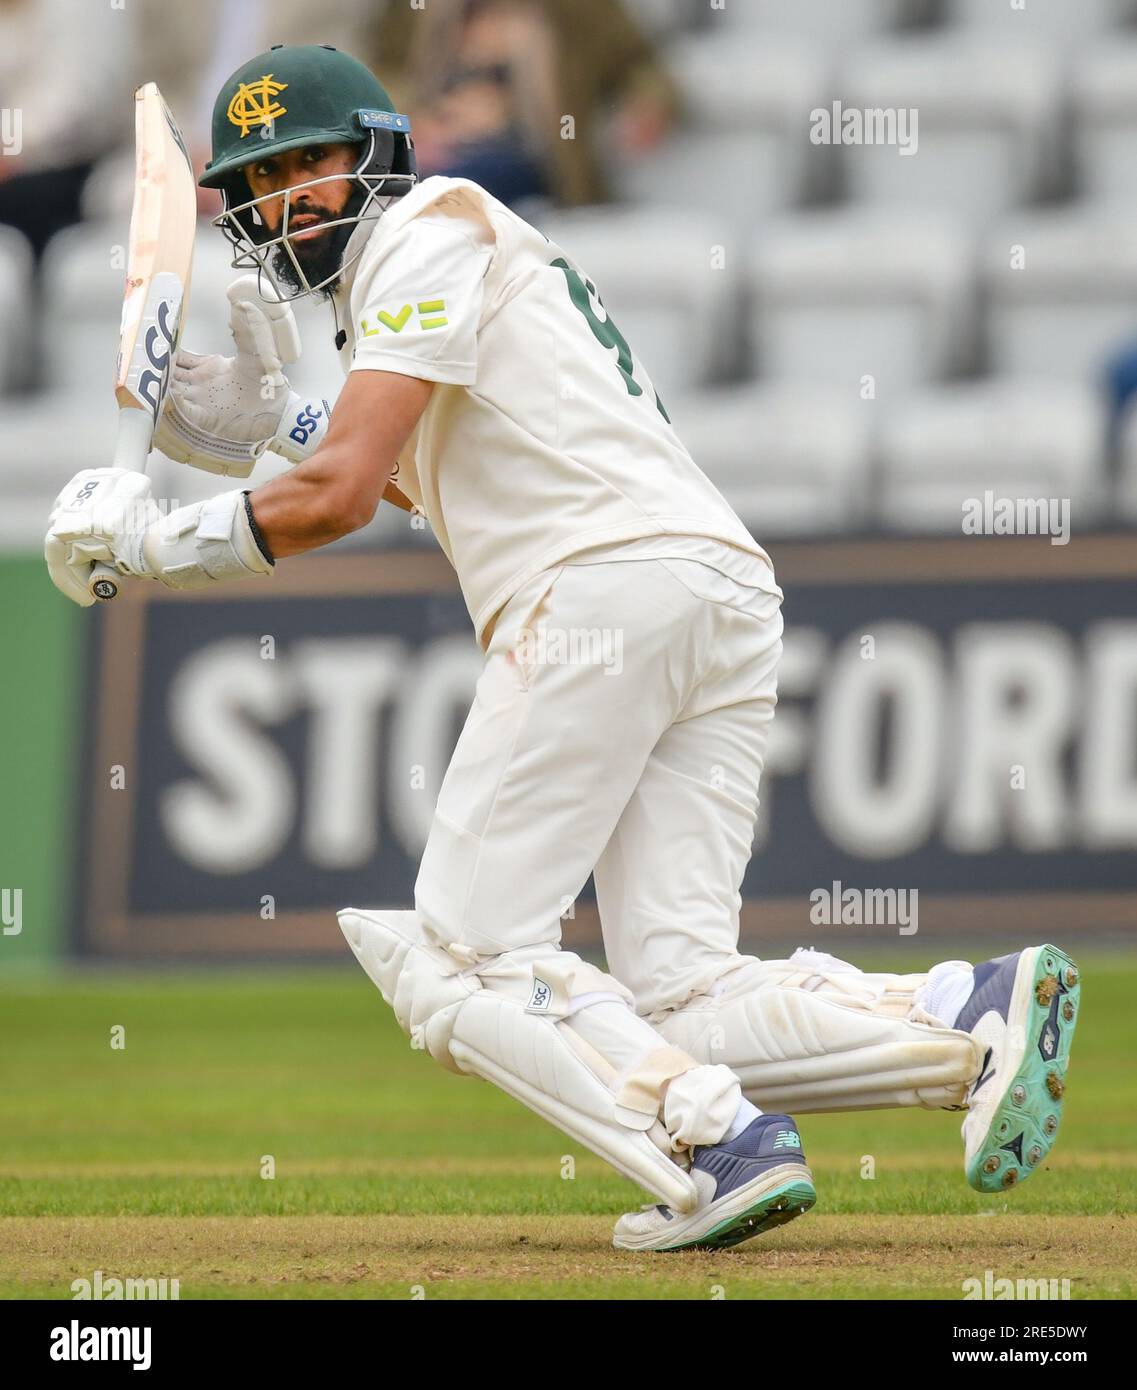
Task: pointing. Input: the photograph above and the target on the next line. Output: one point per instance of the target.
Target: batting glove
(101, 516)
(222, 413)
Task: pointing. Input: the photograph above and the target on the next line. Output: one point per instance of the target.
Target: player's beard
(319, 257)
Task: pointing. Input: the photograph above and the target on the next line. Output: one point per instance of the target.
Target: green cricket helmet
(285, 99)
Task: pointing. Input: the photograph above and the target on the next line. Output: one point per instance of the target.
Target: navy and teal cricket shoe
(747, 1185)
(1023, 1009)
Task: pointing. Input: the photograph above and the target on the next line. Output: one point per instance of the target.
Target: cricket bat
(158, 263)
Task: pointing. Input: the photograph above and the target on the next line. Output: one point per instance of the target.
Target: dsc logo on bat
(149, 333)
(159, 345)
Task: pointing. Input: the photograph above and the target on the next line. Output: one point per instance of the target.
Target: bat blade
(158, 266)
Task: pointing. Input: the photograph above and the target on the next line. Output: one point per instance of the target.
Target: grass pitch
(274, 1136)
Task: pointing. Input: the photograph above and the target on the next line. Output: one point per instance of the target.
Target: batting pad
(814, 1033)
(516, 1030)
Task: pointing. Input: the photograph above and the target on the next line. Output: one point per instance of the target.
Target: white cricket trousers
(619, 726)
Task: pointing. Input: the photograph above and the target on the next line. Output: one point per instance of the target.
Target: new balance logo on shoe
(987, 1074)
(787, 1139)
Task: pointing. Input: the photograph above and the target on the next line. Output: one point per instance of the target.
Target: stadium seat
(83, 272)
(207, 319)
(1075, 301)
(841, 295)
(791, 458)
(1012, 439)
(16, 317)
(743, 150)
(1104, 97)
(988, 121)
(1040, 19)
(47, 439)
(824, 21)
(654, 273)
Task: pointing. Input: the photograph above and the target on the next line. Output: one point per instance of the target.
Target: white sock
(747, 1113)
(947, 990)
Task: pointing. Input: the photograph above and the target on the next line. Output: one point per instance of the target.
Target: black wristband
(262, 544)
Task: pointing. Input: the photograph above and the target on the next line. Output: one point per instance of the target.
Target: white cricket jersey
(545, 436)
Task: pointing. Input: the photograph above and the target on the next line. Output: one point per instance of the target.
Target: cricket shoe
(1023, 1009)
(747, 1185)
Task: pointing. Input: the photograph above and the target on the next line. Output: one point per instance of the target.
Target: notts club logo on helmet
(254, 104)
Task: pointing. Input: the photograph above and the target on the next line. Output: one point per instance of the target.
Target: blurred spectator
(488, 85)
(1121, 388)
(62, 69)
(190, 49)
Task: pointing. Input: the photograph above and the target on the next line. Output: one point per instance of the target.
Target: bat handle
(132, 448)
(103, 583)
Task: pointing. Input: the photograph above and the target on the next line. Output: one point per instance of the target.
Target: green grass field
(394, 1179)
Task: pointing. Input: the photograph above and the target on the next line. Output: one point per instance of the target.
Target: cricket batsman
(487, 388)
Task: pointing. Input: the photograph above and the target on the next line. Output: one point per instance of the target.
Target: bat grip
(132, 449)
(103, 583)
